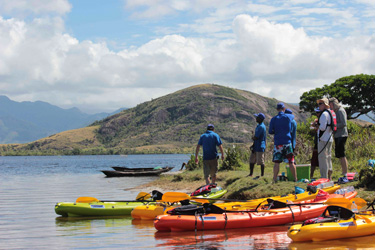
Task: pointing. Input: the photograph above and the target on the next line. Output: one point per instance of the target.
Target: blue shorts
(281, 152)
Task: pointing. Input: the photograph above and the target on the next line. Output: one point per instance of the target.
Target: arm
(258, 134)
(222, 151)
(196, 153)
(271, 130)
(294, 134)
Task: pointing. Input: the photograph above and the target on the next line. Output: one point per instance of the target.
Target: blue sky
(103, 55)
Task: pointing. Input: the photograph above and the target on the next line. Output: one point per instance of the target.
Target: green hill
(169, 124)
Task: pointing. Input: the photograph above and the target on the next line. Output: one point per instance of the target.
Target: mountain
(172, 123)
(22, 122)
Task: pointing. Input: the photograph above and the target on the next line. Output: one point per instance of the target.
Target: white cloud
(25, 7)
(39, 60)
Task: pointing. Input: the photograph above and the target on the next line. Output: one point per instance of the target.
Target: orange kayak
(245, 219)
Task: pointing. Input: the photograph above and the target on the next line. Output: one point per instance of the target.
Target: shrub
(191, 165)
(232, 159)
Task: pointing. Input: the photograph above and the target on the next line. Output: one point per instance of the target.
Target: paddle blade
(175, 197)
(359, 202)
(86, 200)
(143, 196)
(342, 202)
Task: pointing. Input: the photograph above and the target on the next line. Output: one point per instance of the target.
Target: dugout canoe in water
(152, 172)
(126, 169)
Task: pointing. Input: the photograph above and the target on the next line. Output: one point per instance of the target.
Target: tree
(355, 92)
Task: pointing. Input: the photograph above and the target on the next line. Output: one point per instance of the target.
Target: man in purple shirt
(281, 128)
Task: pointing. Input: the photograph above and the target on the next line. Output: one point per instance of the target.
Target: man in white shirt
(325, 139)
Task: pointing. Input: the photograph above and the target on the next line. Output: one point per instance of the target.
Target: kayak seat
(274, 204)
(339, 212)
(319, 220)
(156, 195)
(331, 214)
(185, 202)
(192, 209)
(187, 210)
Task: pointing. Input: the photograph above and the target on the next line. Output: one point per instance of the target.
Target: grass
(239, 185)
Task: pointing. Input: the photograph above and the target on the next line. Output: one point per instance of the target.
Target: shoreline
(162, 187)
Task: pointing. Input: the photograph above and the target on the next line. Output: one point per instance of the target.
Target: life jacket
(332, 123)
(203, 190)
(322, 195)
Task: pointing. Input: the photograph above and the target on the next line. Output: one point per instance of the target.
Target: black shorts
(340, 146)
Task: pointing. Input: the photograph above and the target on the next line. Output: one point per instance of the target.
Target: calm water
(31, 186)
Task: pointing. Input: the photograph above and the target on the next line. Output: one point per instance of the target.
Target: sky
(100, 56)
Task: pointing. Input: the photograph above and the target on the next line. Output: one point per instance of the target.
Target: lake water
(31, 186)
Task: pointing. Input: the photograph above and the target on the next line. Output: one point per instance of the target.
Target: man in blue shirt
(259, 145)
(209, 141)
(281, 128)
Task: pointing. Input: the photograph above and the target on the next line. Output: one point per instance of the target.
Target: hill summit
(172, 123)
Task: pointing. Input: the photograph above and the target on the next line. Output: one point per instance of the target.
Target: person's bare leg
(207, 180)
(276, 169)
(344, 165)
(330, 175)
(293, 170)
(213, 179)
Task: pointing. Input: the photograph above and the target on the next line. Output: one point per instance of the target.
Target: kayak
(284, 198)
(98, 208)
(245, 219)
(90, 206)
(355, 226)
(150, 211)
(133, 169)
(122, 173)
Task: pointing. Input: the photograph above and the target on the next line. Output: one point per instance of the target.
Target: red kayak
(244, 219)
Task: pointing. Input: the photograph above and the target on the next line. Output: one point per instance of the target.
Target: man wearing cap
(209, 141)
(281, 128)
(259, 145)
(341, 135)
(325, 139)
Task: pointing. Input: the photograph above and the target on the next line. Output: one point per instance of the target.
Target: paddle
(142, 196)
(178, 196)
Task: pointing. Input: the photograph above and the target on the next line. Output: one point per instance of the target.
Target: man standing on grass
(259, 146)
(341, 135)
(325, 140)
(281, 128)
(209, 141)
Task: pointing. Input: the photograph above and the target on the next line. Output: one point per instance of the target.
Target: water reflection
(143, 224)
(258, 238)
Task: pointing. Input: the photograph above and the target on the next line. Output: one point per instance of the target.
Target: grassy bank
(360, 148)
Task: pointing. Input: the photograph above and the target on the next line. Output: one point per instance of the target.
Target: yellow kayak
(329, 228)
